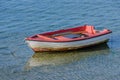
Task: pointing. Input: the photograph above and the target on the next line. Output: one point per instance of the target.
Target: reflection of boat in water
(59, 58)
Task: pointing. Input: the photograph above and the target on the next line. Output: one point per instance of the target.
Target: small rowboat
(68, 39)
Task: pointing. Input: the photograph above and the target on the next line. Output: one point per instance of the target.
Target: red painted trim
(42, 37)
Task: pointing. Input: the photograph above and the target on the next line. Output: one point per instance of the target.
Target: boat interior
(81, 32)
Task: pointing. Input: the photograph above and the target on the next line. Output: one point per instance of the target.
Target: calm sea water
(22, 18)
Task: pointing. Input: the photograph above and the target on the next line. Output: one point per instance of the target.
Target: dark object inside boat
(75, 35)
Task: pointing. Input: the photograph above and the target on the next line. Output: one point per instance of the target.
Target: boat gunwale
(78, 39)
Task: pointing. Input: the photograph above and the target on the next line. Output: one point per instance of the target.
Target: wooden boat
(68, 39)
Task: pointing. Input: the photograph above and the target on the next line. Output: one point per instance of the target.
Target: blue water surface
(22, 18)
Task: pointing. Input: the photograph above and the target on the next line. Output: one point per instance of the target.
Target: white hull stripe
(37, 44)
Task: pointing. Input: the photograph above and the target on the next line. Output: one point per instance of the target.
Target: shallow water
(19, 19)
